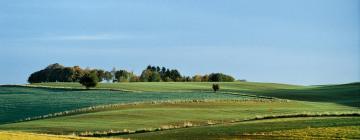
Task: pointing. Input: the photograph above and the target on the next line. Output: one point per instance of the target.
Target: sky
(303, 42)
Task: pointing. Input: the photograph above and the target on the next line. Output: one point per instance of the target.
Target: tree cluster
(157, 74)
(219, 77)
(58, 73)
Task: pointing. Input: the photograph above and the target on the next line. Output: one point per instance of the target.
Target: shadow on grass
(347, 94)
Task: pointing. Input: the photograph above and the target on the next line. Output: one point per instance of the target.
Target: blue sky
(287, 41)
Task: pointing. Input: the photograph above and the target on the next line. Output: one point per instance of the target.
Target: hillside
(144, 110)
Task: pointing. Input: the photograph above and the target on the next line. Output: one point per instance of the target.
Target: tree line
(59, 73)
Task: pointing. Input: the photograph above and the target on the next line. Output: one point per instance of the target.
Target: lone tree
(89, 80)
(216, 87)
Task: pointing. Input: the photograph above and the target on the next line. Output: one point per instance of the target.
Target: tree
(163, 70)
(148, 67)
(158, 69)
(155, 77)
(186, 79)
(149, 75)
(205, 78)
(53, 73)
(78, 73)
(89, 80)
(219, 77)
(197, 78)
(215, 87)
(134, 78)
(55, 66)
(100, 74)
(145, 75)
(37, 77)
(175, 75)
(59, 73)
(67, 74)
(108, 76)
(122, 76)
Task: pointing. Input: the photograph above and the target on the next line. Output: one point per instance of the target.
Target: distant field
(180, 86)
(347, 94)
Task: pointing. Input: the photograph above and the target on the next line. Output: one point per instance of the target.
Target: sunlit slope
(291, 128)
(346, 94)
(152, 116)
(7, 135)
(21, 102)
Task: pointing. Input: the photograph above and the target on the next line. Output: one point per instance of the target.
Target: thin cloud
(86, 37)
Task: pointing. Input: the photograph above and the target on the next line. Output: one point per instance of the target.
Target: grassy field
(180, 86)
(296, 128)
(341, 94)
(152, 116)
(23, 102)
(4, 135)
(186, 109)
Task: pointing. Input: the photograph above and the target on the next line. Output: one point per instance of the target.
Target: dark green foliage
(67, 74)
(197, 78)
(205, 78)
(108, 76)
(186, 79)
(99, 73)
(78, 73)
(175, 75)
(216, 87)
(58, 73)
(53, 73)
(166, 75)
(149, 75)
(122, 76)
(134, 78)
(220, 77)
(89, 80)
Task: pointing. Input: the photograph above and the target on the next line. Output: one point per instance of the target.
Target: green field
(266, 129)
(341, 94)
(22, 102)
(152, 116)
(175, 110)
(179, 86)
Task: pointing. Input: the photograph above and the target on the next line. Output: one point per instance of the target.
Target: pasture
(172, 110)
(296, 128)
(23, 102)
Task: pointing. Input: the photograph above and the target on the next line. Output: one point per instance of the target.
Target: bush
(220, 77)
(216, 87)
(149, 75)
(89, 80)
(122, 76)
